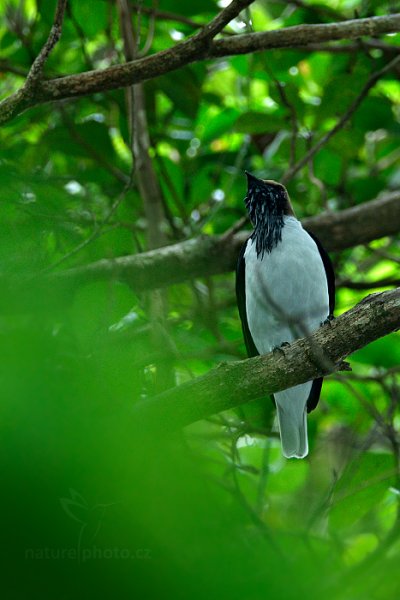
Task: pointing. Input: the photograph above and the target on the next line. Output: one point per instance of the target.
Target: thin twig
(313, 178)
(168, 16)
(212, 29)
(91, 150)
(36, 71)
(368, 285)
(7, 67)
(367, 406)
(235, 458)
(280, 88)
(264, 472)
(360, 46)
(150, 34)
(381, 252)
(319, 9)
(377, 377)
(81, 36)
(342, 121)
(94, 235)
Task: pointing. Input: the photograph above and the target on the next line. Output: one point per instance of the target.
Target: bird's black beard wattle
(266, 206)
(268, 233)
(266, 214)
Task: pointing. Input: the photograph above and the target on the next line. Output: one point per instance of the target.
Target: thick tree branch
(232, 384)
(205, 256)
(301, 35)
(359, 224)
(358, 46)
(198, 47)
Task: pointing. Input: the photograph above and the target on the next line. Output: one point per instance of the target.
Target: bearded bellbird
(285, 287)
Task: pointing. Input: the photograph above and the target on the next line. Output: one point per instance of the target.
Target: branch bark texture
(36, 70)
(26, 96)
(232, 384)
(198, 47)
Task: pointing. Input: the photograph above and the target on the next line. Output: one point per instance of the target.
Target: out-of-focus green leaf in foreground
(92, 502)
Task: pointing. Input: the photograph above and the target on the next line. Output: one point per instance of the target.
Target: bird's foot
(328, 320)
(280, 348)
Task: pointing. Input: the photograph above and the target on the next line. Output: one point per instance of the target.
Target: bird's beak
(251, 179)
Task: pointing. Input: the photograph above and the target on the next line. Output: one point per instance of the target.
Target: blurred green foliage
(92, 505)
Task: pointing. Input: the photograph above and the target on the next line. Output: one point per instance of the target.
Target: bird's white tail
(292, 418)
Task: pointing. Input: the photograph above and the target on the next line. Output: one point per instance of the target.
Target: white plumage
(286, 298)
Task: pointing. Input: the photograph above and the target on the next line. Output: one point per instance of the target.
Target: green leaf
(187, 9)
(374, 113)
(257, 122)
(360, 489)
(96, 308)
(91, 19)
(328, 166)
(384, 352)
(183, 87)
(359, 546)
(88, 135)
(290, 478)
(219, 125)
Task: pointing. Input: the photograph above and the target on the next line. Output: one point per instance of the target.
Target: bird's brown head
(267, 203)
(265, 199)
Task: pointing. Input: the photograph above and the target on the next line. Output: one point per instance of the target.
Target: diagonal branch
(231, 384)
(167, 16)
(205, 256)
(196, 47)
(227, 15)
(36, 70)
(302, 35)
(27, 95)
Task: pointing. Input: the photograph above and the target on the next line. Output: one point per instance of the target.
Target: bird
(285, 289)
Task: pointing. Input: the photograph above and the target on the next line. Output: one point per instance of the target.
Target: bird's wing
(330, 274)
(241, 301)
(315, 392)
